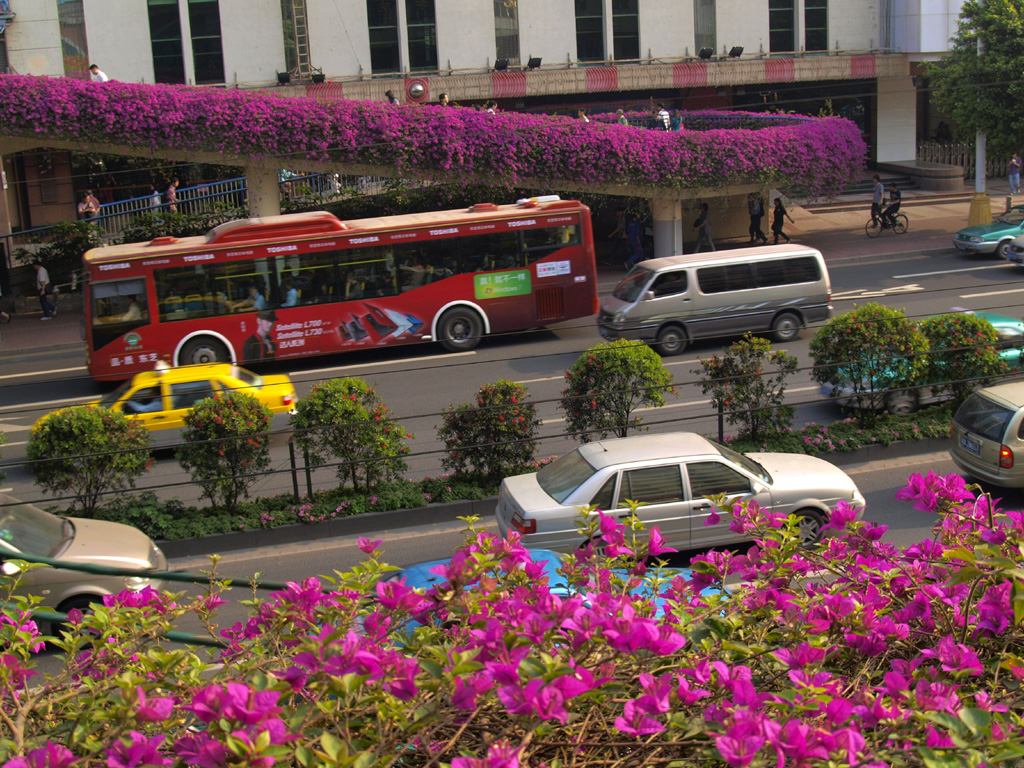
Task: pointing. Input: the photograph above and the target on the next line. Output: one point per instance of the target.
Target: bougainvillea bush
(817, 157)
(855, 653)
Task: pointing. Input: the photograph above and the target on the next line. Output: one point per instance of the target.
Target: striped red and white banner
(689, 74)
(863, 66)
(779, 70)
(602, 79)
(508, 85)
(322, 91)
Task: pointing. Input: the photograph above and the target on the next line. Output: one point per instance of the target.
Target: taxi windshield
(110, 398)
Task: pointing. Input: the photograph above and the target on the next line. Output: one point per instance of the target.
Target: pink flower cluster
(817, 157)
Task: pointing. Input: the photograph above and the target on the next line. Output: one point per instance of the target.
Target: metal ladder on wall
(301, 28)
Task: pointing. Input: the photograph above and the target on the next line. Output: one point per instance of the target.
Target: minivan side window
(802, 269)
(728, 277)
(669, 284)
(654, 485)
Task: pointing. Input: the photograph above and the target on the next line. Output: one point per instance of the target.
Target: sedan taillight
(289, 399)
(1005, 457)
(522, 525)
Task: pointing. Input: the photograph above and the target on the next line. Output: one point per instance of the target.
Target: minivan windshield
(563, 476)
(984, 417)
(632, 284)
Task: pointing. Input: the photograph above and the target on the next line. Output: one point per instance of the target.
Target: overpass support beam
(264, 194)
(668, 227)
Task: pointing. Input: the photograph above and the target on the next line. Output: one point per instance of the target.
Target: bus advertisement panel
(309, 284)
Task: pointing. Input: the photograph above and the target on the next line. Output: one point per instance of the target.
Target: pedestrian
(1015, 165)
(663, 117)
(392, 99)
(621, 118)
(89, 208)
(876, 199)
(154, 198)
(703, 227)
(755, 207)
(582, 115)
(635, 236)
(45, 289)
(4, 317)
(96, 75)
(171, 196)
(490, 107)
(442, 99)
(778, 219)
(677, 120)
(619, 235)
(889, 214)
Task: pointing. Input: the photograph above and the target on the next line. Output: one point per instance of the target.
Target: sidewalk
(836, 230)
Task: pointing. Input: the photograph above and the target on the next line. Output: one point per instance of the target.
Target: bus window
(541, 242)
(245, 285)
(117, 307)
(187, 293)
(366, 271)
(481, 253)
(306, 278)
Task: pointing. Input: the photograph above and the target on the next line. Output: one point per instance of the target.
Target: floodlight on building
(501, 65)
(534, 62)
(283, 78)
(736, 51)
(319, 77)
(706, 53)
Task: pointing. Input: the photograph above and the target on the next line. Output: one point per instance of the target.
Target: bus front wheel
(459, 330)
(203, 351)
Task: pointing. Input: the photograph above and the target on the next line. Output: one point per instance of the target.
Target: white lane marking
(403, 361)
(33, 406)
(695, 361)
(990, 293)
(42, 373)
(684, 405)
(869, 294)
(7, 427)
(949, 271)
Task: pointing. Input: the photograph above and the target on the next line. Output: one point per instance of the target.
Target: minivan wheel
(671, 341)
(786, 327)
(811, 523)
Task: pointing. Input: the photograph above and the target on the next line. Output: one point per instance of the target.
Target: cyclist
(889, 214)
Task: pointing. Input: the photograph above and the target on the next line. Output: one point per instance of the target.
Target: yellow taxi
(159, 399)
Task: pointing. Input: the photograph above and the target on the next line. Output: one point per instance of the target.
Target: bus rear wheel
(203, 351)
(459, 330)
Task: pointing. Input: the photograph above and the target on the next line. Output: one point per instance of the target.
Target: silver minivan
(671, 301)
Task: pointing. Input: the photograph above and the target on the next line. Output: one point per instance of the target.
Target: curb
(373, 522)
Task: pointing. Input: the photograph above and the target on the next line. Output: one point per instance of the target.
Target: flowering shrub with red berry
(857, 652)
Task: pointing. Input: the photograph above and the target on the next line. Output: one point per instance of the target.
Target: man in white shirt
(45, 289)
(96, 75)
(664, 117)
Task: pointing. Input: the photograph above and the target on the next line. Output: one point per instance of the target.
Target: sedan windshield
(29, 530)
(746, 462)
(563, 476)
(1013, 216)
(632, 285)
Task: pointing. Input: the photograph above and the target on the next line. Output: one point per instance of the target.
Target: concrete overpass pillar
(668, 227)
(264, 195)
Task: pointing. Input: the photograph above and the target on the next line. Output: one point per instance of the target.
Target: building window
(816, 25)
(781, 26)
(165, 36)
(71, 17)
(207, 50)
(382, 20)
(506, 31)
(589, 30)
(704, 26)
(626, 29)
(421, 22)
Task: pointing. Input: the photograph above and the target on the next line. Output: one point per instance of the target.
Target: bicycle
(875, 226)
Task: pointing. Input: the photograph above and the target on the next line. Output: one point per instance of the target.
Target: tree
(740, 384)
(227, 446)
(963, 353)
(607, 383)
(984, 91)
(867, 351)
(62, 253)
(88, 451)
(344, 419)
(494, 438)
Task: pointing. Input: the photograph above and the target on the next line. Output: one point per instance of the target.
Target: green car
(992, 238)
(1010, 331)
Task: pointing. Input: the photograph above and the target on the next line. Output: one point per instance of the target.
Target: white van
(671, 301)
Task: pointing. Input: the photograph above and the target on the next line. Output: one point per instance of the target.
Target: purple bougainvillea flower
(49, 755)
(137, 751)
(369, 546)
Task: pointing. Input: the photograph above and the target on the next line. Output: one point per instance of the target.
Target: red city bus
(309, 284)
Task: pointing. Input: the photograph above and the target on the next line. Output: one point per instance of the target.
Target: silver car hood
(796, 474)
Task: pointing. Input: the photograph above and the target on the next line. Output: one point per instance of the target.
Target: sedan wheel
(811, 524)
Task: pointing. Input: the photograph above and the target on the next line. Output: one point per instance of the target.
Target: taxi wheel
(1003, 249)
(203, 351)
(901, 403)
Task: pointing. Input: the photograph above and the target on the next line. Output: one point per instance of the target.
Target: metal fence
(959, 153)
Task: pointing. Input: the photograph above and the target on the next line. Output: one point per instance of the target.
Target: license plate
(970, 445)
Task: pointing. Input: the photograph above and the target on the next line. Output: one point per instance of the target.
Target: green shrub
(867, 351)
(344, 419)
(146, 226)
(741, 385)
(62, 252)
(607, 383)
(963, 353)
(87, 451)
(227, 447)
(494, 438)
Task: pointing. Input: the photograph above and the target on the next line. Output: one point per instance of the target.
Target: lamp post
(980, 211)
